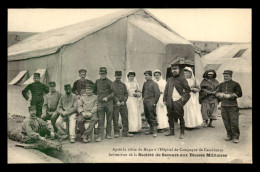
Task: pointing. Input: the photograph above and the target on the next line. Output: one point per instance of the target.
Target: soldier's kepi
(80, 85)
(51, 100)
(37, 90)
(104, 89)
(151, 95)
(34, 128)
(120, 98)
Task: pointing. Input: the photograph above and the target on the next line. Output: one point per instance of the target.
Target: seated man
(67, 109)
(34, 128)
(49, 108)
(87, 108)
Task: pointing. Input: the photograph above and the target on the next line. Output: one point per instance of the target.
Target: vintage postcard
(129, 86)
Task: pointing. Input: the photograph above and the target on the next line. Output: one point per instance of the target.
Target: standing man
(81, 83)
(68, 110)
(176, 95)
(151, 95)
(104, 89)
(38, 90)
(87, 108)
(120, 98)
(229, 106)
(49, 108)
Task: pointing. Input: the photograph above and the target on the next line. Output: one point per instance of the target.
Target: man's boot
(181, 136)
(149, 132)
(171, 132)
(154, 131)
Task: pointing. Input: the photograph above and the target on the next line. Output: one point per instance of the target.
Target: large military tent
(238, 58)
(131, 39)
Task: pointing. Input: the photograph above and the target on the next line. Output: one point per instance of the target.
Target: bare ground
(18, 155)
(202, 138)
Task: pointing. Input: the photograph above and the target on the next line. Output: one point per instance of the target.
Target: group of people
(182, 99)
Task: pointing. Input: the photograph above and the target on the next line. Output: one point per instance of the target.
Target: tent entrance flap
(18, 77)
(42, 76)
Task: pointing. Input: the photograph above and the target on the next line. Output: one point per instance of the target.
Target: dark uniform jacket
(230, 87)
(181, 85)
(151, 91)
(104, 88)
(78, 85)
(120, 92)
(37, 90)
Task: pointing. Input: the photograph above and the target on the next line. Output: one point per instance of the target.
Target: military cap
(118, 73)
(103, 70)
(228, 72)
(82, 71)
(67, 86)
(36, 74)
(33, 107)
(52, 84)
(148, 72)
(90, 86)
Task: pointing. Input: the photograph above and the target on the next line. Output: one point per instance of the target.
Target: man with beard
(176, 95)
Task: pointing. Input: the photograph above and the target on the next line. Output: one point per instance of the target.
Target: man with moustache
(176, 95)
(81, 83)
(229, 106)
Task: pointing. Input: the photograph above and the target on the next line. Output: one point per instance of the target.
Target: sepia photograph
(121, 85)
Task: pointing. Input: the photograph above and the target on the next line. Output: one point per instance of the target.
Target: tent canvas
(117, 41)
(19, 77)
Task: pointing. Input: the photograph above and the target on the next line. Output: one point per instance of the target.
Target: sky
(223, 25)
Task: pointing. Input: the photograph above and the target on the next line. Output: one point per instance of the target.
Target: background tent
(237, 58)
(131, 39)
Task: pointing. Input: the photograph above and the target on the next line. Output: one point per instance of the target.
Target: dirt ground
(206, 139)
(20, 155)
(202, 141)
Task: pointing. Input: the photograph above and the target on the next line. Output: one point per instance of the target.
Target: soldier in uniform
(120, 98)
(81, 83)
(176, 95)
(104, 89)
(67, 109)
(37, 91)
(49, 108)
(151, 95)
(229, 106)
(34, 128)
(87, 109)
